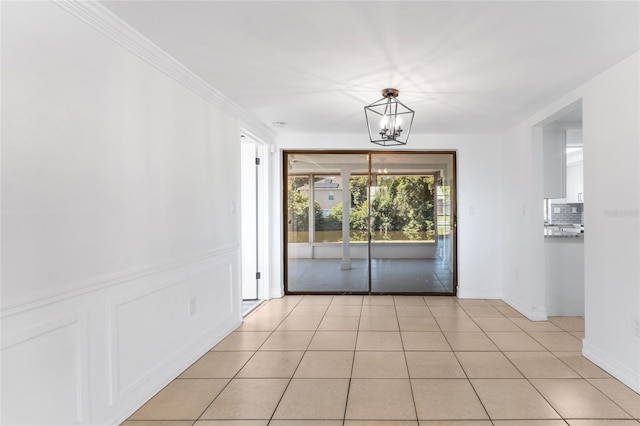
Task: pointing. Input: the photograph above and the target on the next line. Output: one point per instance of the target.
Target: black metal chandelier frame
(389, 121)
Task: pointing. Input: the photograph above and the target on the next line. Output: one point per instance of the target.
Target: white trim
(534, 313)
(111, 25)
(78, 321)
(264, 210)
(176, 363)
(614, 367)
(97, 283)
(118, 393)
(462, 293)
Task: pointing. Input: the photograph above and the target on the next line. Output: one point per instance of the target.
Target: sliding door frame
(369, 153)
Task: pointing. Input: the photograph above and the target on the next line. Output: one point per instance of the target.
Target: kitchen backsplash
(566, 214)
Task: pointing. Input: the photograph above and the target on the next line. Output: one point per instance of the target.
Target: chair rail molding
(110, 280)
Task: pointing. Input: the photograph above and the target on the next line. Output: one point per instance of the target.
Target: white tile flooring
(394, 360)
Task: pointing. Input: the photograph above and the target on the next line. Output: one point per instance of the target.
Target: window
(331, 195)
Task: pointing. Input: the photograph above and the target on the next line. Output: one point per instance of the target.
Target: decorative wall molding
(620, 371)
(108, 23)
(105, 281)
(77, 321)
(119, 390)
(178, 363)
(96, 322)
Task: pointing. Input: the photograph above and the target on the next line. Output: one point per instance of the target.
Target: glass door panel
(370, 222)
(325, 252)
(412, 236)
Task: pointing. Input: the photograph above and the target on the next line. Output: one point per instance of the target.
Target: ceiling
(464, 67)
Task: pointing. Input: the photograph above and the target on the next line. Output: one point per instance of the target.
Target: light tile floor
(393, 360)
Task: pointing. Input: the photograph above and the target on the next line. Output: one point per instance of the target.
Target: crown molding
(111, 25)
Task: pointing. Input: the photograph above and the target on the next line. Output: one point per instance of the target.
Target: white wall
(117, 192)
(611, 137)
(479, 202)
(522, 238)
(611, 114)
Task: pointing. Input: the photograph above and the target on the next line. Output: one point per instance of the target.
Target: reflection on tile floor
(393, 360)
(387, 276)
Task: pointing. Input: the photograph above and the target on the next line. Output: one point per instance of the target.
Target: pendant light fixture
(389, 120)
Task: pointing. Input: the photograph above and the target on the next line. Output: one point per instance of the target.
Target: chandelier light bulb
(384, 121)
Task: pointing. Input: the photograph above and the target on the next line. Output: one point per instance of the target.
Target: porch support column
(345, 173)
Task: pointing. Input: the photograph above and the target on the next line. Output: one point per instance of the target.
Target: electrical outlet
(636, 327)
(192, 306)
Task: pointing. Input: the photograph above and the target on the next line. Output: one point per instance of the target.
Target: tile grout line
(301, 358)
(475, 391)
(521, 373)
(406, 363)
(582, 378)
(473, 318)
(353, 361)
(240, 369)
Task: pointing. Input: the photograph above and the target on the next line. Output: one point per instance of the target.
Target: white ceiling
(464, 67)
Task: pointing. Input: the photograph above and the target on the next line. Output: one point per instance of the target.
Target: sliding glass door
(369, 222)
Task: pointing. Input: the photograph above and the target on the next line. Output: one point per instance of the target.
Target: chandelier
(389, 120)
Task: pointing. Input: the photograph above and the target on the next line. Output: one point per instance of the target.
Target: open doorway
(253, 158)
(369, 222)
(563, 211)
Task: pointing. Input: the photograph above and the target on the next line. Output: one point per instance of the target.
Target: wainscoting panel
(56, 351)
(151, 328)
(93, 358)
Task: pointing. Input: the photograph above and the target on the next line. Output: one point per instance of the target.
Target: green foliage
(333, 222)
(401, 205)
(359, 190)
(404, 203)
(298, 211)
(298, 205)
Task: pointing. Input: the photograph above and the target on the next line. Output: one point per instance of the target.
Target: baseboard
(534, 313)
(471, 294)
(201, 346)
(276, 292)
(612, 366)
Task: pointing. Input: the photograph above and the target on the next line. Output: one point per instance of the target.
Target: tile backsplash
(566, 214)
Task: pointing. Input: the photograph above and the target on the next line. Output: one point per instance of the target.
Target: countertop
(563, 231)
(562, 234)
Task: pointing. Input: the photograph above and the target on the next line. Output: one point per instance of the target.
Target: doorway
(369, 222)
(252, 157)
